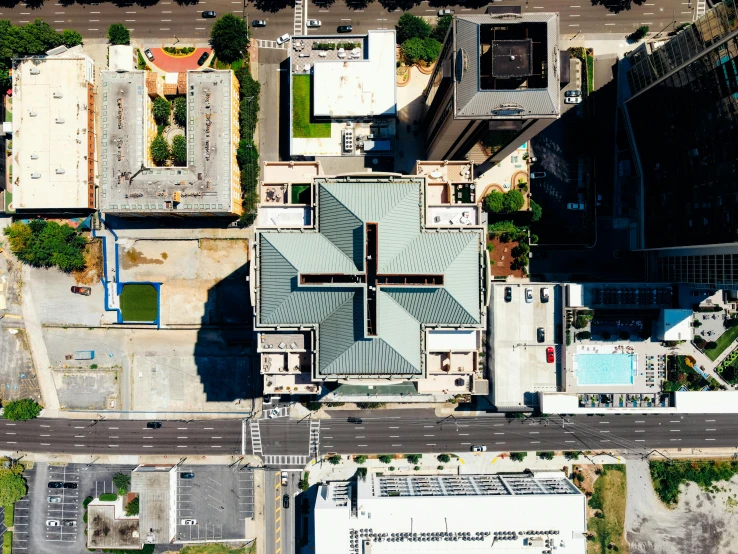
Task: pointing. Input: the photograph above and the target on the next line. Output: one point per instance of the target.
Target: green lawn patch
(139, 303)
(301, 194)
(212, 549)
(609, 498)
(236, 65)
(8, 542)
(8, 511)
(668, 476)
(302, 127)
(723, 341)
(590, 73)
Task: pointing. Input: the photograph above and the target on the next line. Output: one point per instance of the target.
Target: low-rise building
(208, 184)
(53, 133)
(539, 512)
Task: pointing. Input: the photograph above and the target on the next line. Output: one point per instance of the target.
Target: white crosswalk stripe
(285, 460)
(701, 9)
(314, 444)
(298, 30)
(270, 44)
(255, 437)
(283, 412)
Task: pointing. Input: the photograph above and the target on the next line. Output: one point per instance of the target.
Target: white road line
(427, 426)
(45, 444)
(640, 430)
(181, 437)
(50, 425)
(604, 431)
(640, 440)
(710, 429)
(393, 444)
(604, 422)
(112, 427)
(707, 421)
(361, 445)
(674, 430)
(677, 421)
(496, 443)
(181, 428)
(570, 441)
(79, 445)
(463, 434)
(113, 445)
(429, 435)
(641, 421)
(394, 427)
(80, 427)
(10, 433)
(215, 447)
(533, 432)
(147, 446)
(394, 436)
(181, 447)
(499, 433)
(709, 439)
(45, 435)
(535, 442)
(216, 437)
(360, 437)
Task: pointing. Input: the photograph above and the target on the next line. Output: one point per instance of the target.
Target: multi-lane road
(391, 432)
(170, 21)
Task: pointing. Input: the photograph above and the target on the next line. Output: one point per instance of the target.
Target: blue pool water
(605, 369)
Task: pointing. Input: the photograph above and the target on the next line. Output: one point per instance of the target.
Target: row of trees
(498, 202)
(247, 154)
(162, 152)
(418, 40)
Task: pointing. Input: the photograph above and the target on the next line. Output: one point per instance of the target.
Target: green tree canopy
(439, 33)
(493, 201)
(180, 111)
(443, 458)
(70, 38)
(132, 507)
(413, 458)
(411, 26)
(179, 150)
(229, 38)
(122, 481)
(119, 34)
(385, 458)
(42, 243)
(161, 109)
(536, 210)
(160, 151)
(418, 49)
(335, 459)
(513, 201)
(12, 486)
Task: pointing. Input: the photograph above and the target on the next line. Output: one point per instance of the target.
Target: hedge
(108, 497)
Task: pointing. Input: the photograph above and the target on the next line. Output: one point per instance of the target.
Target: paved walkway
(175, 64)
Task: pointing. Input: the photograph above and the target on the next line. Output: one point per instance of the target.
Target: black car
(203, 58)
(55, 484)
(70, 485)
(153, 425)
(354, 420)
(286, 501)
(541, 334)
(188, 475)
(508, 294)
(345, 28)
(258, 23)
(209, 14)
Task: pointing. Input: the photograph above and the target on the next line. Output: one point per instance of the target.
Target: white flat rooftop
(50, 132)
(358, 88)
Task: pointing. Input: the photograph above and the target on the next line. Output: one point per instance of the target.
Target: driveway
(176, 64)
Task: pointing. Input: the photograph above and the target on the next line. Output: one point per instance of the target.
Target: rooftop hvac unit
(35, 71)
(34, 156)
(35, 175)
(33, 114)
(59, 120)
(58, 95)
(348, 140)
(60, 171)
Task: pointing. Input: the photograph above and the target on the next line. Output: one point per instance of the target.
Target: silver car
(313, 23)
(528, 296)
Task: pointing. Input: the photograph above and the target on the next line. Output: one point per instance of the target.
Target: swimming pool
(605, 369)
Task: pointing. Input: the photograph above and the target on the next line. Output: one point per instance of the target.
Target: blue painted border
(157, 286)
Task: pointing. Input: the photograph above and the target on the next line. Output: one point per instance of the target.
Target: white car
(479, 448)
(575, 206)
(528, 296)
(274, 412)
(573, 100)
(55, 499)
(313, 23)
(188, 522)
(284, 478)
(284, 38)
(441, 13)
(52, 523)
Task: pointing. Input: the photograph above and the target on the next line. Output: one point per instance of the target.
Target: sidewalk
(130, 459)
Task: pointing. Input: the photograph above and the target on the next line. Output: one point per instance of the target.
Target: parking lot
(519, 355)
(218, 499)
(34, 533)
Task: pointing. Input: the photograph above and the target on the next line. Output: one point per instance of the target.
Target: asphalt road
(169, 21)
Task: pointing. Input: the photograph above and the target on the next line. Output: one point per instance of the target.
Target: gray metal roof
(473, 102)
(337, 246)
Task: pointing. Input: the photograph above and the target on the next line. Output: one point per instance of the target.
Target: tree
(639, 33)
(710, 345)
(42, 243)
(616, 6)
(71, 38)
(132, 507)
(161, 109)
(605, 335)
(513, 200)
(728, 323)
(411, 26)
(624, 335)
(361, 473)
(160, 151)
(122, 481)
(545, 455)
(581, 321)
(439, 33)
(385, 458)
(572, 455)
(21, 410)
(180, 111)
(229, 38)
(12, 485)
(536, 211)
(334, 460)
(413, 458)
(584, 335)
(360, 459)
(119, 34)
(443, 458)
(418, 49)
(493, 202)
(179, 150)
(518, 456)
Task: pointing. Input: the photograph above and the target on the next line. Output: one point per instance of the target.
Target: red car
(85, 291)
(550, 357)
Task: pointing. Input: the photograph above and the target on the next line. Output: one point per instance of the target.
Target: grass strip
(609, 498)
(139, 302)
(301, 110)
(723, 341)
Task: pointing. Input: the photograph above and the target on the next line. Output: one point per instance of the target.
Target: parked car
(528, 296)
(52, 523)
(258, 23)
(84, 291)
(70, 485)
(284, 38)
(479, 448)
(447, 11)
(355, 420)
(209, 14)
(188, 522)
(70, 523)
(345, 28)
(203, 58)
(153, 425)
(274, 412)
(538, 175)
(55, 484)
(313, 23)
(284, 478)
(286, 501)
(508, 294)
(574, 100)
(540, 335)
(187, 475)
(149, 55)
(572, 93)
(55, 499)
(575, 206)
(544, 294)
(550, 357)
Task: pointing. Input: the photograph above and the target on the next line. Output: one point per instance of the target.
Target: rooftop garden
(302, 125)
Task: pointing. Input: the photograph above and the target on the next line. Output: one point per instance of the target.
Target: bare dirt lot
(702, 521)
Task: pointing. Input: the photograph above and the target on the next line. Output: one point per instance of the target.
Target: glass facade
(686, 130)
(713, 270)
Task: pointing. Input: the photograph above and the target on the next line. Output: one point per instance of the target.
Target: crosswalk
(701, 9)
(255, 438)
(285, 460)
(314, 444)
(298, 30)
(284, 411)
(270, 44)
